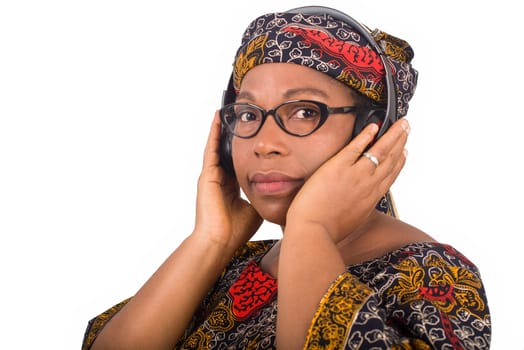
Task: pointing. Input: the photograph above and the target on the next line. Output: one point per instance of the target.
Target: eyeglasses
(297, 117)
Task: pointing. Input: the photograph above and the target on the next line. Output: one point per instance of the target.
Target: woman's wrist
(214, 243)
(300, 226)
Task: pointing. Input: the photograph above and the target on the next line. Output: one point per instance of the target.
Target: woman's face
(272, 166)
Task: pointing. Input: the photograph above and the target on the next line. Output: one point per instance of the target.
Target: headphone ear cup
(226, 138)
(376, 115)
(226, 160)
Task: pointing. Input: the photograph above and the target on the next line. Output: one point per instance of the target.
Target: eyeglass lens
(296, 117)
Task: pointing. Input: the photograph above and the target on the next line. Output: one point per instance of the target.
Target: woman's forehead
(290, 80)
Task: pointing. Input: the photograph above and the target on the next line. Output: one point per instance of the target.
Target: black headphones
(384, 117)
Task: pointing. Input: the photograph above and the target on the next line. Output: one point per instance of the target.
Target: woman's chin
(281, 221)
(274, 214)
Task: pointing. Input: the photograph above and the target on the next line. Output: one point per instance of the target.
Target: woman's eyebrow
(245, 95)
(309, 90)
(288, 93)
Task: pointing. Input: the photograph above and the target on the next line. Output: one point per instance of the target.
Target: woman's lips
(274, 183)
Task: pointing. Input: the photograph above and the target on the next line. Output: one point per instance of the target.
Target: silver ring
(372, 158)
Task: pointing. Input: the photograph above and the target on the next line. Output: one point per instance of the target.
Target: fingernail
(405, 126)
(405, 152)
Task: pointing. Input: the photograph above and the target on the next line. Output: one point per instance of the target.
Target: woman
(300, 125)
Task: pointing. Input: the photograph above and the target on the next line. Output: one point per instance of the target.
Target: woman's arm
(156, 317)
(333, 203)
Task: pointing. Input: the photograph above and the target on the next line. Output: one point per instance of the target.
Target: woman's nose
(269, 139)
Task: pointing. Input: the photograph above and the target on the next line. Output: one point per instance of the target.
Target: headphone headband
(391, 96)
(385, 117)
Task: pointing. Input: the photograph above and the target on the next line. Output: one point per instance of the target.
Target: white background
(104, 111)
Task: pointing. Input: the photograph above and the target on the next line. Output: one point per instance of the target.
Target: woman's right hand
(221, 214)
(158, 314)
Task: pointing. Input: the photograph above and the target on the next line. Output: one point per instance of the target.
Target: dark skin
(317, 188)
(326, 210)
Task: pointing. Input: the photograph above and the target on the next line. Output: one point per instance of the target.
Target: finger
(211, 151)
(392, 175)
(394, 170)
(388, 149)
(352, 152)
(397, 145)
(397, 134)
(371, 157)
(387, 172)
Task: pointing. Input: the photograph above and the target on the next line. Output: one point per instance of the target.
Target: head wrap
(332, 47)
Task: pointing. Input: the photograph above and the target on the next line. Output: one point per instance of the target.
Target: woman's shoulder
(416, 259)
(416, 245)
(396, 244)
(429, 253)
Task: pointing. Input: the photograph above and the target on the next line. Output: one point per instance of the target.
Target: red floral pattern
(422, 296)
(253, 289)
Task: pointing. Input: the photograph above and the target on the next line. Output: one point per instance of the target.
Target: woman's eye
(247, 116)
(305, 113)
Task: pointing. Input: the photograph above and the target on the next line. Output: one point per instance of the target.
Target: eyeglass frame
(325, 112)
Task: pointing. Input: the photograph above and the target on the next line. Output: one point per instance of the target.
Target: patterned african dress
(421, 296)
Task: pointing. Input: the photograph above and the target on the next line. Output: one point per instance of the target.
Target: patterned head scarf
(332, 47)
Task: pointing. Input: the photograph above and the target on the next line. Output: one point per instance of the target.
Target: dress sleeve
(95, 325)
(247, 252)
(421, 302)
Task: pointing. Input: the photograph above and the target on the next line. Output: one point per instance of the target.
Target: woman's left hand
(347, 187)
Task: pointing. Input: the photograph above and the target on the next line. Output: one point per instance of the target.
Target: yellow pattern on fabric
(100, 322)
(254, 248)
(393, 47)
(252, 56)
(221, 319)
(197, 340)
(336, 312)
(351, 79)
(413, 277)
